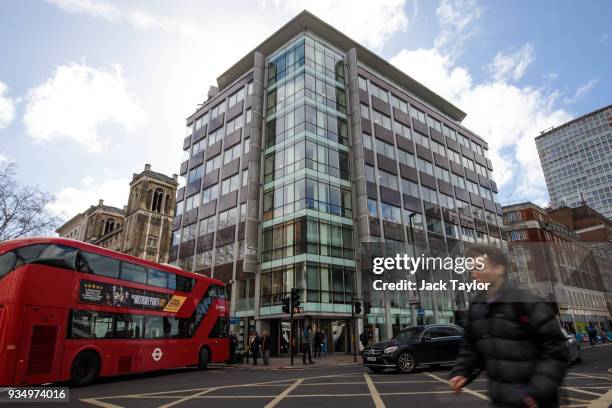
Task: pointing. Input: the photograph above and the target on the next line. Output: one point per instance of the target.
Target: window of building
(230, 184)
(434, 225)
(363, 84)
(391, 212)
(406, 158)
(429, 195)
(190, 232)
(424, 166)
(247, 145)
(437, 148)
(210, 193)
(234, 124)
(411, 188)
(442, 174)
(378, 92)
(245, 177)
(365, 111)
(198, 147)
(382, 119)
(387, 180)
(227, 218)
(250, 88)
(192, 202)
(207, 225)
(195, 174)
(417, 114)
(179, 208)
(231, 153)
(217, 110)
(421, 139)
(369, 173)
(402, 130)
(248, 114)
(457, 180)
(434, 124)
(399, 104)
(372, 209)
(213, 164)
(384, 148)
(454, 156)
(367, 141)
(235, 97)
(446, 201)
(216, 136)
(518, 235)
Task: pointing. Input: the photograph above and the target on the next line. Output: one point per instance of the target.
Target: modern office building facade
(577, 162)
(309, 147)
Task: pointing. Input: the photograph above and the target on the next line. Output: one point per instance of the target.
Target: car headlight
(389, 350)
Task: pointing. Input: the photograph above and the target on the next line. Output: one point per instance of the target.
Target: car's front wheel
(406, 362)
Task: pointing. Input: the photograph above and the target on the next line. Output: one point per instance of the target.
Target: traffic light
(295, 297)
(357, 307)
(286, 305)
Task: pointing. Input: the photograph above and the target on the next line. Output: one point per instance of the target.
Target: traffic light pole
(354, 330)
(291, 333)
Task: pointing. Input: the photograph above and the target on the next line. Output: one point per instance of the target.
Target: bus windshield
(47, 254)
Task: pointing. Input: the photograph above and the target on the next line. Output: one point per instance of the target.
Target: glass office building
(309, 147)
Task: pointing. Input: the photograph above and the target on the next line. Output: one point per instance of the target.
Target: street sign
(420, 312)
(234, 320)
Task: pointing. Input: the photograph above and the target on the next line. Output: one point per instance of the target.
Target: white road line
(591, 376)
(97, 403)
(378, 402)
(465, 389)
(605, 401)
(582, 391)
(283, 394)
(171, 404)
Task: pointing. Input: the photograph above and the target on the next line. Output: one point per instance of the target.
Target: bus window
(154, 327)
(128, 326)
(91, 325)
(102, 265)
(184, 284)
(171, 327)
(133, 272)
(7, 263)
(49, 254)
(157, 278)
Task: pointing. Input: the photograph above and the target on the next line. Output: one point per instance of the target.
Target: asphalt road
(588, 384)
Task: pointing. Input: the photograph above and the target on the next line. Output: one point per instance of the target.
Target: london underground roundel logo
(157, 354)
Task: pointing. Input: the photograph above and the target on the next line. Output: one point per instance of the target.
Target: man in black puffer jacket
(515, 337)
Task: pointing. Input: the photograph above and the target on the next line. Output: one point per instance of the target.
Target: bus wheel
(85, 368)
(203, 363)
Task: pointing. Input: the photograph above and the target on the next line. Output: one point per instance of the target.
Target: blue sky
(91, 90)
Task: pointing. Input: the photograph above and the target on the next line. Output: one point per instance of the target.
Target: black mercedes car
(431, 345)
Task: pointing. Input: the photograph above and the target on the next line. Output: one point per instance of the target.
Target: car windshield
(409, 333)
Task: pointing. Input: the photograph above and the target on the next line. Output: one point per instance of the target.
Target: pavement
(284, 363)
(334, 382)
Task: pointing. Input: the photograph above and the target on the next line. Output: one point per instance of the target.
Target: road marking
(605, 401)
(582, 391)
(171, 404)
(283, 394)
(465, 389)
(378, 402)
(95, 402)
(591, 376)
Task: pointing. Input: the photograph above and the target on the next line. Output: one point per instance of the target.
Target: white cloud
(581, 91)
(456, 19)
(71, 201)
(7, 107)
(507, 116)
(370, 23)
(512, 66)
(76, 100)
(138, 18)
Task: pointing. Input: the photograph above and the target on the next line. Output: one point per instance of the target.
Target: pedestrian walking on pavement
(324, 342)
(364, 337)
(512, 335)
(233, 343)
(592, 334)
(307, 342)
(265, 347)
(317, 344)
(255, 341)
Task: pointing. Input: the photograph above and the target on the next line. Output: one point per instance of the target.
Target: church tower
(149, 214)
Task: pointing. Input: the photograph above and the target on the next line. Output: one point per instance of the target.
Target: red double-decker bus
(74, 311)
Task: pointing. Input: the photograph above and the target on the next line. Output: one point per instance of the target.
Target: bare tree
(23, 209)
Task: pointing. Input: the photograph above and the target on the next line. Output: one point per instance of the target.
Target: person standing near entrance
(233, 343)
(255, 340)
(307, 342)
(364, 337)
(265, 347)
(317, 343)
(324, 342)
(512, 335)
